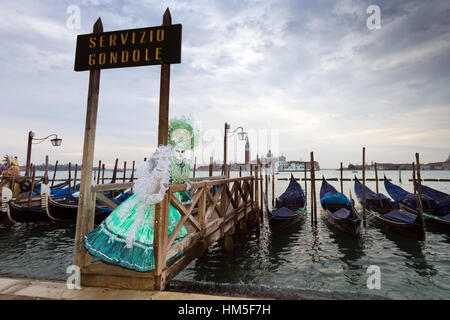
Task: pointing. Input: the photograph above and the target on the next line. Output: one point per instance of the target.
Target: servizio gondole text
(128, 48)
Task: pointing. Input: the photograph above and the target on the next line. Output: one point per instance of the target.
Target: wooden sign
(129, 48)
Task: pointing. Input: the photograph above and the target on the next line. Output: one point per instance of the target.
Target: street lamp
(56, 142)
(241, 134)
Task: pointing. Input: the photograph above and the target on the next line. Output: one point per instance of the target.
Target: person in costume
(126, 236)
(10, 168)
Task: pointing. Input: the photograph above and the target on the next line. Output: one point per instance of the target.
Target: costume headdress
(177, 138)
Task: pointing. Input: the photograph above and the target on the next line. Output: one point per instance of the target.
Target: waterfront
(296, 260)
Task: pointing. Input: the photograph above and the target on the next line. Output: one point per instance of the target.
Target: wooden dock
(219, 208)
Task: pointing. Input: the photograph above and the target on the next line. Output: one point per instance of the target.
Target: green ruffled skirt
(108, 243)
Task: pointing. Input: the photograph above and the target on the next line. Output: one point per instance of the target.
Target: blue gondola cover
(399, 216)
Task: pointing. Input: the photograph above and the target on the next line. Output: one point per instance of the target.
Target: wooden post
(313, 191)
(414, 178)
(30, 197)
(266, 190)
(256, 200)
(132, 171)
(314, 184)
(114, 176)
(46, 170)
(195, 167)
(342, 182)
(70, 182)
(75, 177)
(211, 168)
(202, 214)
(262, 193)
(376, 177)
(162, 209)
(240, 171)
(364, 183)
(273, 185)
(419, 190)
(54, 173)
(30, 141)
(103, 173)
(86, 202)
(99, 169)
(306, 184)
(124, 171)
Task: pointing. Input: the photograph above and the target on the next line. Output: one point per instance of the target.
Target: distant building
(292, 166)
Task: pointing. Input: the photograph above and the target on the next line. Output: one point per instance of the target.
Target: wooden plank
(202, 208)
(85, 216)
(108, 202)
(112, 186)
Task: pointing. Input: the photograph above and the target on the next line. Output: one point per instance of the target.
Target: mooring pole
(273, 185)
(342, 182)
(364, 184)
(70, 182)
(99, 170)
(46, 170)
(54, 172)
(195, 167)
(376, 177)
(414, 178)
(306, 185)
(86, 202)
(419, 190)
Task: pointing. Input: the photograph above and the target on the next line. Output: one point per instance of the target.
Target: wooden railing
(218, 212)
(218, 206)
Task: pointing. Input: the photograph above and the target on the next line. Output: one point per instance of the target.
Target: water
(299, 259)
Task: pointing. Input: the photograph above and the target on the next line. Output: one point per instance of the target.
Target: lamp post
(242, 135)
(56, 142)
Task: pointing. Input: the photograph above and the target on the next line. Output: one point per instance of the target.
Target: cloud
(310, 71)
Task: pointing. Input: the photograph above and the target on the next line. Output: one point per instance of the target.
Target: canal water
(299, 260)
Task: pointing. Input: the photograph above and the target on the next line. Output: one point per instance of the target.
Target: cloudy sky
(299, 76)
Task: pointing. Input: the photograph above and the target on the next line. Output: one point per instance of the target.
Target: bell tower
(247, 151)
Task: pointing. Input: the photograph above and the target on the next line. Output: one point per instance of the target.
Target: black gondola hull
(350, 226)
(69, 211)
(413, 231)
(431, 222)
(21, 214)
(277, 223)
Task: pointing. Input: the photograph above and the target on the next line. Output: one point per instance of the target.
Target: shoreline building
(295, 166)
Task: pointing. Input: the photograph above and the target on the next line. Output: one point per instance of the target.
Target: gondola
(386, 215)
(67, 211)
(18, 213)
(61, 211)
(430, 207)
(339, 211)
(289, 207)
(442, 199)
(409, 200)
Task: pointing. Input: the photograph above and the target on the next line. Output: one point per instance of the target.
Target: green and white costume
(126, 236)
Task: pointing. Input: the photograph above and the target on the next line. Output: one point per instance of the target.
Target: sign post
(86, 205)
